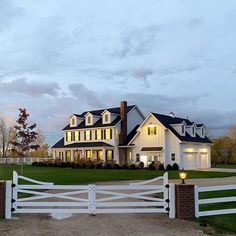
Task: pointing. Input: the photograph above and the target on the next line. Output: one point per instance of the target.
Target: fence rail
(25, 160)
(199, 202)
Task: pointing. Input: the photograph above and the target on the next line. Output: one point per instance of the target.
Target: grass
(231, 166)
(81, 176)
(222, 223)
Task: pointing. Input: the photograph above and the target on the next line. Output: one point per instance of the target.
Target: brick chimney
(123, 116)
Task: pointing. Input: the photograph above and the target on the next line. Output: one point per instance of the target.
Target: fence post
(172, 201)
(8, 199)
(92, 199)
(196, 197)
(14, 190)
(165, 192)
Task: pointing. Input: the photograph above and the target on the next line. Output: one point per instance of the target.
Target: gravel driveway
(107, 224)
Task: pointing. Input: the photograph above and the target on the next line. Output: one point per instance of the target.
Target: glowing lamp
(183, 175)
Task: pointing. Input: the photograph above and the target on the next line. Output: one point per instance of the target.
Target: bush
(125, 166)
(161, 167)
(169, 167)
(35, 163)
(132, 167)
(175, 166)
(152, 166)
(141, 165)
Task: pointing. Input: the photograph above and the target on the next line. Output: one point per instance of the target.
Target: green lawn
(232, 166)
(79, 176)
(222, 223)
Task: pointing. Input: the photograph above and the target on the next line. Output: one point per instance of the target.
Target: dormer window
(106, 118)
(183, 129)
(193, 130)
(73, 121)
(89, 120)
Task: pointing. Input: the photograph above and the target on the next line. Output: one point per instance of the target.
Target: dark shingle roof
(115, 110)
(60, 144)
(95, 125)
(132, 134)
(168, 121)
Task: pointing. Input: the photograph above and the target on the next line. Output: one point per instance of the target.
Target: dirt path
(100, 225)
(107, 224)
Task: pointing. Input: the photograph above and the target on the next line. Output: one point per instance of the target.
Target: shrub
(35, 163)
(175, 166)
(169, 167)
(152, 166)
(125, 166)
(141, 165)
(161, 167)
(132, 167)
(117, 166)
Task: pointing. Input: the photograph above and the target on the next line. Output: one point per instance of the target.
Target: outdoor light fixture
(183, 175)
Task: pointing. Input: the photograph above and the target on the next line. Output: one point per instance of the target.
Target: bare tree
(6, 136)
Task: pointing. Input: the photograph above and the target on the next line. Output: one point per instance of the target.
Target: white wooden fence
(199, 202)
(25, 160)
(93, 199)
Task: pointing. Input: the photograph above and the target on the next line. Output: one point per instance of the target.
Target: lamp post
(183, 175)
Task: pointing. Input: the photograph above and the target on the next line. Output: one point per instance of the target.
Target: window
(106, 118)
(108, 134)
(73, 121)
(152, 130)
(98, 134)
(117, 133)
(77, 136)
(89, 153)
(137, 157)
(73, 136)
(68, 136)
(172, 156)
(109, 155)
(156, 158)
(183, 129)
(68, 156)
(193, 130)
(89, 119)
(100, 154)
(88, 135)
(203, 132)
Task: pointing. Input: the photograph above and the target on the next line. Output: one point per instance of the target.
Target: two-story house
(124, 135)
(170, 140)
(99, 134)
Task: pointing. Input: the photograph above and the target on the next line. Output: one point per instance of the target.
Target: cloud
(85, 95)
(137, 41)
(31, 88)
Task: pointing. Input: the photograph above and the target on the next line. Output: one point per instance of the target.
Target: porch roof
(60, 144)
(152, 149)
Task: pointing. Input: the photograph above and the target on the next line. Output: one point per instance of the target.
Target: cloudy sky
(60, 57)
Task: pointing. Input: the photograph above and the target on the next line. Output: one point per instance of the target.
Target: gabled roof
(168, 121)
(60, 144)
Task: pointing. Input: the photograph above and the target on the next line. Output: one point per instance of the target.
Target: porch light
(183, 175)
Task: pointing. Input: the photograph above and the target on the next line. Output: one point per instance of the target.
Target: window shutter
(84, 135)
(155, 130)
(90, 134)
(102, 134)
(149, 132)
(66, 136)
(110, 133)
(96, 135)
(79, 135)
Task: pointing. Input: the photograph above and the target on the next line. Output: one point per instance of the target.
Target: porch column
(104, 154)
(83, 153)
(72, 155)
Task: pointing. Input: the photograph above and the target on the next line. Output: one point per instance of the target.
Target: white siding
(133, 118)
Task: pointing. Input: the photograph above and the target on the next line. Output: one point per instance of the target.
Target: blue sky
(65, 56)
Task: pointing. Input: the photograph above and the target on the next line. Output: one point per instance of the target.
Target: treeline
(223, 150)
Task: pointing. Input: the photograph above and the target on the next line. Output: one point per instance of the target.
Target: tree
(26, 136)
(6, 136)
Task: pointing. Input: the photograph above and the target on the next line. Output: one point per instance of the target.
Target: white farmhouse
(170, 140)
(124, 135)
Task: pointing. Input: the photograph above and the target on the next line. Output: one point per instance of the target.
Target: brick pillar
(2, 198)
(184, 197)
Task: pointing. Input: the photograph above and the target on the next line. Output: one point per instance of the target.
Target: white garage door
(203, 160)
(190, 161)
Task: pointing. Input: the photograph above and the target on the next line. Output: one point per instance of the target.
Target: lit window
(117, 133)
(98, 134)
(109, 155)
(152, 130)
(68, 136)
(68, 156)
(100, 154)
(88, 135)
(89, 153)
(108, 133)
(76, 135)
(106, 118)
